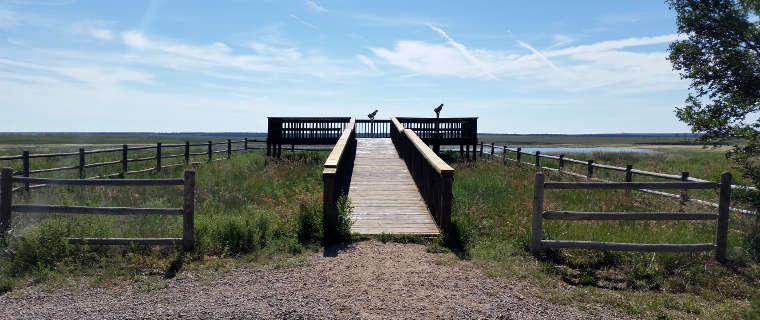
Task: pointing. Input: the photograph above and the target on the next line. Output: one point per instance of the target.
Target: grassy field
(492, 205)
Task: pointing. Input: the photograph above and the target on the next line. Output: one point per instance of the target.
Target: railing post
(245, 145)
(158, 156)
(6, 197)
(328, 192)
(721, 235)
(628, 178)
(590, 169)
(229, 148)
(124, 160)
(25, 163)
(538, 159)
(536, 229)
(446, 197)
(187, 152)
(188, 212)
(492, 150)
(210, 147)
(684, 192)
(561, 162)
(481, 148)
(504, 154)
(519, 155)
(81, 163)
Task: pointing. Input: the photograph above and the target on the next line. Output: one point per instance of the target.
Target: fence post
(536, 230)
(590, 170)
(245, 145)
(158, 156)
(538, 159)
(292, 148)
(481, 148)
(210, 146)
(721, 235)
(561, 162)
(628, 178)
(187, 152)
(504, 153)
(6, 197)
(188, 212)
(229, 148)
(684, 192)
(25, 154)
(81, 163)
(519, 155)
(491, 150)
(124, 159)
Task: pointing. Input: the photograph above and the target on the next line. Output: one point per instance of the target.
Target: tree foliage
(720, 54)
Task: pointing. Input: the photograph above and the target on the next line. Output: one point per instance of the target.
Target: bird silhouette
(372, 115)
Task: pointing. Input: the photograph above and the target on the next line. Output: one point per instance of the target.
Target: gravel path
(368, 280)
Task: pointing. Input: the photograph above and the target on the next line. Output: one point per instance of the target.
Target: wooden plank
(631, 185)
(103, 182)
(126, 241)
(93, 210)
(568, 244)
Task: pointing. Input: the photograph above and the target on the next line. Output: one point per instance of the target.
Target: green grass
(247, 206)
(491, 217)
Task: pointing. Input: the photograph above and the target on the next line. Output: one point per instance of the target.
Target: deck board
(383, 194)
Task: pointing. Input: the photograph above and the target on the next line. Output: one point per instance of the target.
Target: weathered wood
(158, 156)
(188, 208)
(102, 182)
(569, 244)
(631, 185)
(229, 148)
(536, 229)
(54, 169)
(590, 169)
(100, 164)
(41, 208)
(561, 162)
(6, 199)
(538, 159)
(519, 155)
(141, 159)
(25, 164)
(721, 233)
(684, 192)
(187, 152)
(210, 151)
(126, 241)
(574, 215)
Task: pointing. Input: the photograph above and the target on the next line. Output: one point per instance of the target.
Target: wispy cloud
(539, 54)
(366, 61)
(464, 51)
(302, 21)
(314, 6)
(95, 29)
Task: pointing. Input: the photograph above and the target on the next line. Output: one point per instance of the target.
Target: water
(570, 150)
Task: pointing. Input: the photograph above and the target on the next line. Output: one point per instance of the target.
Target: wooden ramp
(383, 193)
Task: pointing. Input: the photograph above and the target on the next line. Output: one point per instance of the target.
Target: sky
(563, 67)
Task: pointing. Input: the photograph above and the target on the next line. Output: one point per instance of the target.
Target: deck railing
(536, 234)
(304, 131)
(187, 211)
(373, 128)
(432, 175)
(338, 167)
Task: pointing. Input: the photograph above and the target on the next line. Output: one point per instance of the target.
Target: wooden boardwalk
(383, 193)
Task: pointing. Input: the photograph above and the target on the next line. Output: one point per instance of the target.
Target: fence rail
(538, 215)
(591, 165)
(338, 167)
(433, 176)
(187, 211)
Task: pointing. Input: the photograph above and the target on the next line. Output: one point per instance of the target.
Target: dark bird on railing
(372, 115)
(438, 110)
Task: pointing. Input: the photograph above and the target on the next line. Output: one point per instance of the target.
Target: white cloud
(464, 51)
(561, 40)
(314, 6)
(366, 61)
(95, 29)
(301, 21)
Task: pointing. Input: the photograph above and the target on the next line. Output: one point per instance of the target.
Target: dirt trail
(368, 280)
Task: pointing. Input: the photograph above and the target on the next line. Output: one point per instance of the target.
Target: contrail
(463, 50)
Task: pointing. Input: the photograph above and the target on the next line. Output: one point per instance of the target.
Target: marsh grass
(246, 206)
(491, 223)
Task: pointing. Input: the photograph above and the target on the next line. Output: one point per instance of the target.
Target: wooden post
(519, 155)
(467, 152)
(187, 152)
(245, 145)
(446, 197)
(504, 154)
(292, 147)
(474, 152)
(158, 156)
(590, 169)
(188, 212)
(536, 229)
(6, 197)
(491, 150)
(269, 149)
(25, 160)
(229, 148)
(461, 150)
(328, 189)
(684, 192)
(124, 158)
(721, 235)
(81, 163)
(561, 162)
(481, 148)
(538, 159)
(210, 147)
(628, 178)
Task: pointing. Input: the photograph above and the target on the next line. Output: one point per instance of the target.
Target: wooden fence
(187, 211)
(210, 150)
(536, 233)
(373, 128)
(591, 168)
(433, 176)
(338, 167)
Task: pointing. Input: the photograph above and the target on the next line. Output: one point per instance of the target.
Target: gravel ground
(368, 280)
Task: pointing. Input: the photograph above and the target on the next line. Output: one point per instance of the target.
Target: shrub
(337, 222)
(309, 224)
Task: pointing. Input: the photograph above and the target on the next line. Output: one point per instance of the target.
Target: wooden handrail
(336, 174)
(434, 160)
(337, 152)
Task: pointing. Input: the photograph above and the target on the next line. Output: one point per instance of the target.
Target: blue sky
(522, 67)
